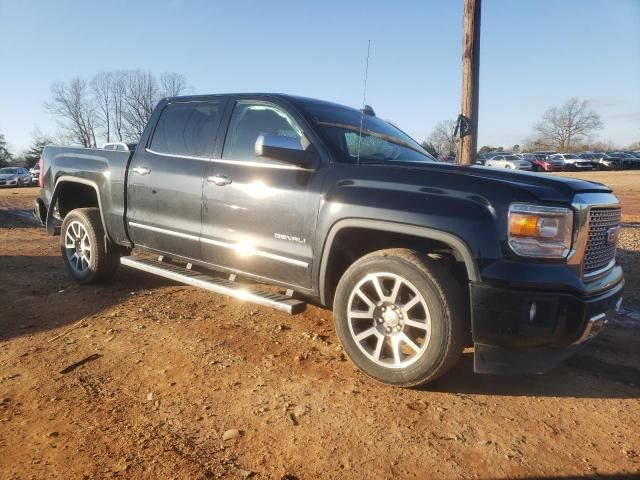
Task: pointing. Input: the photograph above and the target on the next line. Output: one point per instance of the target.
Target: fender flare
(51, 229)
(459, 247)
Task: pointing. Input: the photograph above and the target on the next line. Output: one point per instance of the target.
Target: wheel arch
(62, 183)
(456, 245)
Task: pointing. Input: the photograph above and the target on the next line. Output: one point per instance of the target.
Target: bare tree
(102, 88)
(118, 105)
(141, 96)
(173, 84)
(443, 139)
(574, 120)
(75, 112)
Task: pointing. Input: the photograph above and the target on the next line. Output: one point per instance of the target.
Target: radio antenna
(364, 100)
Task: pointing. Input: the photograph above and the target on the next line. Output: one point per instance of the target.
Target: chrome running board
(216, 284)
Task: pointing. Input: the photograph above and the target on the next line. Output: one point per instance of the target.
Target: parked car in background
(602, 161)
(14, 177)
(628, 160)
(540, 163)
(508, 161)
(35, 174)
(571, 161)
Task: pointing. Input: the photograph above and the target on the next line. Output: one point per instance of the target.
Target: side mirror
(285, 149)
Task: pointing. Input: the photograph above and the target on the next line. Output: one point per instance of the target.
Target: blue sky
(534, 54)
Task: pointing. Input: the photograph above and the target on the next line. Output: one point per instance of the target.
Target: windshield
(571, 157)
(380, 141)
(511, 157)
(8, 170)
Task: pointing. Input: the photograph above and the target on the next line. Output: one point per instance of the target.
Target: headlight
(539, 231)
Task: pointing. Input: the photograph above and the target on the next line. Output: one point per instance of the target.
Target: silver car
(14, 177)
(572, 161)
(508, 161)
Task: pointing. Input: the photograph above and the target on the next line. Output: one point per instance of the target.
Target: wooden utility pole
(468, 123)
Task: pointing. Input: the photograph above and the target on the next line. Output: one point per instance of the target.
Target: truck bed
(104, 170)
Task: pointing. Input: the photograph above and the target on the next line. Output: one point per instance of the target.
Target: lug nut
(398, 328)
(388, 329)
(380, 320)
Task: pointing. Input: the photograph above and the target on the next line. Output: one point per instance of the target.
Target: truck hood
(543, 186)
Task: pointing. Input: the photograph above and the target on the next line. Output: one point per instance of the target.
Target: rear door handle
(219, 180)
(141, 170)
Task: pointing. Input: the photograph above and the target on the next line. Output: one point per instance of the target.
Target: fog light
(533, 309)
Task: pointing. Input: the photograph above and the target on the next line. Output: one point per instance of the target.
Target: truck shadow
(37, 295)
(17, 218)
(595, 372)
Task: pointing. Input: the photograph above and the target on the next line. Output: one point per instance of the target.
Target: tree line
(116, 105)
(565, 128)
(113, 106)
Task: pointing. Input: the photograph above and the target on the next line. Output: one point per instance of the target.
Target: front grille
(599, 252)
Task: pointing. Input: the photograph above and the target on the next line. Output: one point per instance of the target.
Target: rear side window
(187, 129)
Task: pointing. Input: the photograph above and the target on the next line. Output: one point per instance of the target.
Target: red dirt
(177, 367)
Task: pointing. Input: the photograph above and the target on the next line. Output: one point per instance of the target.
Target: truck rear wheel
(82, 247)
(400, 317)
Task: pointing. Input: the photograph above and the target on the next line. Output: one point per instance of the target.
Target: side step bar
(216, 284)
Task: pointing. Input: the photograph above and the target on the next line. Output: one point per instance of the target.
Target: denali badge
(612, 235)
(289, 238)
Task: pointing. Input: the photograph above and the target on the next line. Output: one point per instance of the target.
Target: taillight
(41, 175)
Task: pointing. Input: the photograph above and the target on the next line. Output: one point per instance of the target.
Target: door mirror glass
(286, 149)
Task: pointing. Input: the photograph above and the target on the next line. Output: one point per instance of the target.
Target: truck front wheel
(400, 317)
(82, 247)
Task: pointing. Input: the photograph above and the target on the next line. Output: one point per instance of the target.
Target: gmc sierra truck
(416, 258)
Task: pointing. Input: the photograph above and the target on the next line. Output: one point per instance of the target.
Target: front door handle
(219, 180)
(141, 170)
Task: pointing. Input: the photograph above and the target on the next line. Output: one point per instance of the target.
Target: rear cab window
(187, 129)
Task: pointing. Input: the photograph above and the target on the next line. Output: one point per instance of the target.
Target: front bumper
(511, 337)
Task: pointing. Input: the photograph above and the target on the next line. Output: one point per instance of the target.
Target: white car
(508, 161)
(35, 174)
(571, 161)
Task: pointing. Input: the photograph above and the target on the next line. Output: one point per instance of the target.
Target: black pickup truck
(418, 259)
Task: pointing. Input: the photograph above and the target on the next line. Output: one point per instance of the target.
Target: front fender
(458, 246)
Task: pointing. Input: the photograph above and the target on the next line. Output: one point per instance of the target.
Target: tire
(83, 250)
(373, 330)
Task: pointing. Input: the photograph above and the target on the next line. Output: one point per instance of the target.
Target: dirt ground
(171, 368)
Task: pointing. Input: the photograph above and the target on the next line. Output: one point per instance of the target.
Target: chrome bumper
(597, 323)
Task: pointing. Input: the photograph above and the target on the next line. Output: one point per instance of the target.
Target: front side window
(249, 121)
(187, 129)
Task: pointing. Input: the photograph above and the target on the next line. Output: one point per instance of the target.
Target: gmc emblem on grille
(612, 235)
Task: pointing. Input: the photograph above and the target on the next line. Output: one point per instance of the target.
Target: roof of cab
(292, 98)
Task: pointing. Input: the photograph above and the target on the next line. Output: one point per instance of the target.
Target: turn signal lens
(520, 224)
(540, 231)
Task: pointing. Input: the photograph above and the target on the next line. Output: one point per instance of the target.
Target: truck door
(164, 204)
(259, 215)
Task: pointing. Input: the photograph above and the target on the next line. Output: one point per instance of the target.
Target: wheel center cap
(391, 318)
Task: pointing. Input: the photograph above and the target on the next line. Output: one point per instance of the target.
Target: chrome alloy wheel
(389, 320)
(77, 247)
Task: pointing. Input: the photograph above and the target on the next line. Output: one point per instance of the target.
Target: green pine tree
(5, 155)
